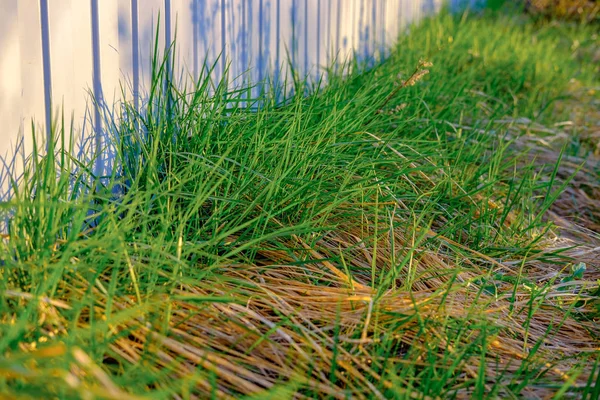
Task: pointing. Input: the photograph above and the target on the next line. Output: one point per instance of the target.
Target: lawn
(427, 228)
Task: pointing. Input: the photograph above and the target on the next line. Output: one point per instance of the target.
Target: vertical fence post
(168, 39)
(278, 67)
(97, 86)
(353, 44)
(168, 24)
(294, 21)
(195, 39)
(318, 37)
(383, 24)
(337, 28)
(306, 38)
(168, 57)
(223, 39)
(398, 18)
(261, 60)
(329, 38)
(244, 39)
(45, 27)
(135, 56)
(373, 29)
(364, 30)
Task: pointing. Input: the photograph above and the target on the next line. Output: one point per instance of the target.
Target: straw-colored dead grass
(284, 324)
(297, 321)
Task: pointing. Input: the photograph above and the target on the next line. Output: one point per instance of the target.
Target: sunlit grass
(391, 235)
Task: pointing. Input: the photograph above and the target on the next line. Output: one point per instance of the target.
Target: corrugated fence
(55, 52)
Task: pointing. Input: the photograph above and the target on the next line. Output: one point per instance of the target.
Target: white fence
(54, 51)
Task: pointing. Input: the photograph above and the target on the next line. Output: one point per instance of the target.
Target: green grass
(395, 234)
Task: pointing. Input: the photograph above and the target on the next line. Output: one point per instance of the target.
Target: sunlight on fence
(55, 53)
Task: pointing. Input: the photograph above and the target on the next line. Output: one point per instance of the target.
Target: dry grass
(351, 269)
(584, 10)
(284, 324)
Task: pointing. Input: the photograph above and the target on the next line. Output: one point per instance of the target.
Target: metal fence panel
(55, 52)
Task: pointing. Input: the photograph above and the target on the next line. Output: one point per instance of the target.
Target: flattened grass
(392, 235)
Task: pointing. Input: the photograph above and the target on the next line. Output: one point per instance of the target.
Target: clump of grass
(386, 236)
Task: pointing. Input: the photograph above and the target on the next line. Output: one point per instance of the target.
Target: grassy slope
(376, 239)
